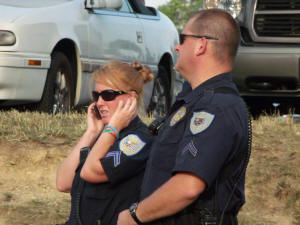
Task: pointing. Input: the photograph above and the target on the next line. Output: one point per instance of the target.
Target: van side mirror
(103, 4)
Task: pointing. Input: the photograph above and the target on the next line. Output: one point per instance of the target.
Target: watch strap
(132, 210)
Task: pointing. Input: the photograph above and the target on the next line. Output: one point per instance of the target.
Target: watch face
(132, 207)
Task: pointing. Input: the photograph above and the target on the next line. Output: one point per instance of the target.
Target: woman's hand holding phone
(95, 124)
(96, 112)
(124, 114)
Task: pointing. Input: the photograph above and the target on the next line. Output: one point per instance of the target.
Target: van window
(139, 7)
(125, 8)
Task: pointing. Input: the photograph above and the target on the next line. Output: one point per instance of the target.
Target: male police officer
(204, 134)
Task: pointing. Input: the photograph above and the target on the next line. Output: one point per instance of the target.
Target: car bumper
(20, 81)
(268, 71)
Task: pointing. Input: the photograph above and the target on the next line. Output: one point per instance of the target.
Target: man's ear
(201, 46)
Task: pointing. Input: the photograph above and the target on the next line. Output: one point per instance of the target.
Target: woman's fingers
(90, 109)
(125, 112)
(132, 105)
(128, 106)
(120, 106)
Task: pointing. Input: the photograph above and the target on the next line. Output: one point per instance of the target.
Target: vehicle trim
(148, 17)
(255, 93)
(255, 36)
(18, 60)
(113, 13)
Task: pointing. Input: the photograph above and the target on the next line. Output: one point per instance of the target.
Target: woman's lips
(103, 112)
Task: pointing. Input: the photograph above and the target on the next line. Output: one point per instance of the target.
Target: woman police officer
(105, 169)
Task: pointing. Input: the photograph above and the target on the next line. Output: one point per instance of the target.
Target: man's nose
(176, 48)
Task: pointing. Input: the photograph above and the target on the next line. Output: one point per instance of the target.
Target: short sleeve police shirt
(124, 165)
(128, 155)
(200, 136)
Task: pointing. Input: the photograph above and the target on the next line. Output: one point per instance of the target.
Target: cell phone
(97, 113)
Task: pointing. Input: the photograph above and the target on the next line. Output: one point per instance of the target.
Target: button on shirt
(124, 166)
(200, 136)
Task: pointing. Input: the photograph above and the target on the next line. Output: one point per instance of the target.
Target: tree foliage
(179, 11)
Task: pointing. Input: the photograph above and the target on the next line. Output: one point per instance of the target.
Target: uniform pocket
(165, 152)
(170, 134)
(169, 138)
(164, 149)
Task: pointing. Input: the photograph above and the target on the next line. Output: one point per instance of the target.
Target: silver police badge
(178, 116)
(131, 145)
(200, 121)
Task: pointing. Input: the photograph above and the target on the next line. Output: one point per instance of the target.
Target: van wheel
(58, 96)
(161, 99)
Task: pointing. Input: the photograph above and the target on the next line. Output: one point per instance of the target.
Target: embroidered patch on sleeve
(201, 121)
(131, 145)
(178, 116)
(116, 155)
(191, 148)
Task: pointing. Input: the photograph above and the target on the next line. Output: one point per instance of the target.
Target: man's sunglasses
(107, 95)
(183, 36)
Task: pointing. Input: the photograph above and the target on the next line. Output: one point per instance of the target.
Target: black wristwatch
(132, 210)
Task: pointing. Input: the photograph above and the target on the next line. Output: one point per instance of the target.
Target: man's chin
(177, 68)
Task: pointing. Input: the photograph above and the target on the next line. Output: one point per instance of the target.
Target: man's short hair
(219, 24)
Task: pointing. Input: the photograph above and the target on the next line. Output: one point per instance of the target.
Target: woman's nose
(100, 101)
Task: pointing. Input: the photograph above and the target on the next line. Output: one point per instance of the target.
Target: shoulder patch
(131, 145)
(178, 116)
(201, 121)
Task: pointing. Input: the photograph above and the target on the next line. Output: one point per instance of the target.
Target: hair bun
(143, 70)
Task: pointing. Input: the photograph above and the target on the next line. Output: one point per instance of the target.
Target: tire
(58, 95)
(161, 99)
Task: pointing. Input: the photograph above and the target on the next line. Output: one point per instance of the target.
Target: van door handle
(139, 36)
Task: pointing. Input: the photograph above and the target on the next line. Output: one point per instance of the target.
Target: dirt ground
(28, 195)
(27, 184)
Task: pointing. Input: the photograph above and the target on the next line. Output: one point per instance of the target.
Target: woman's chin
(105, 120)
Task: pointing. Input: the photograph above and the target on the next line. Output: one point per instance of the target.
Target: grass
(39, 127)
(42, 128)
(32, 145)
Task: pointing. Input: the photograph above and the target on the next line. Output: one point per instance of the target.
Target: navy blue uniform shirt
(200, 137)
(124, 164)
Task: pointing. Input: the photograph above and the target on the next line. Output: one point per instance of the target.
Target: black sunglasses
(183, 36)
(107, 95)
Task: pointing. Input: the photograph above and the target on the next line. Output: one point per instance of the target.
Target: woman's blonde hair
(125, 77)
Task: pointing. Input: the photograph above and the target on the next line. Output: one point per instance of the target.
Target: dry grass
(38, 127)
(32, 145)
(273, 176)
